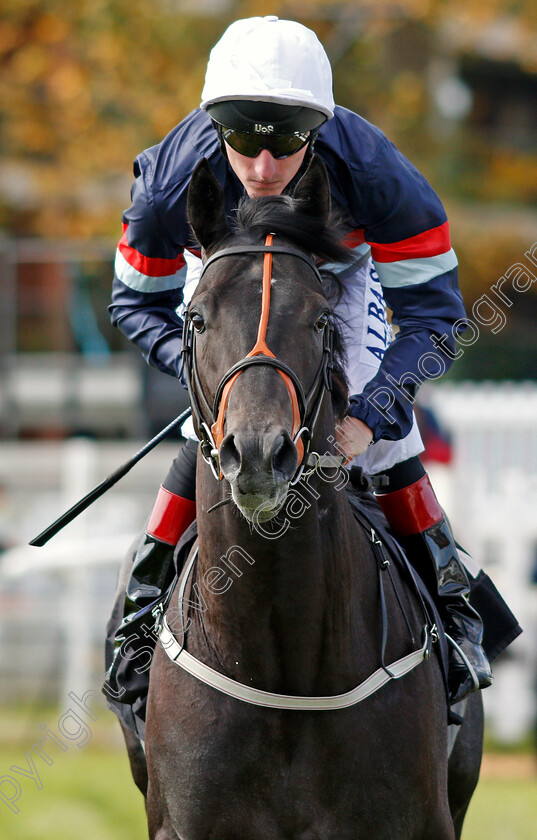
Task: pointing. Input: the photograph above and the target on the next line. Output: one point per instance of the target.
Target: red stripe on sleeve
(150, 266)
(354, 238)
(430, 243)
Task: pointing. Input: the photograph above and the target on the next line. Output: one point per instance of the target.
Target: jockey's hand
(352, 437)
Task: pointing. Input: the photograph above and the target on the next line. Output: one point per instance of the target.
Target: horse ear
(206, 208)
(313, 190)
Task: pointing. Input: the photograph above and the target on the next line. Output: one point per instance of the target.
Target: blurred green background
(88, 792)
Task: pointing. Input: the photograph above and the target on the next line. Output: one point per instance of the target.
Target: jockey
(266, 104)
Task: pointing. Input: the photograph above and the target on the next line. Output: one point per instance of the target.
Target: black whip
(109, 482)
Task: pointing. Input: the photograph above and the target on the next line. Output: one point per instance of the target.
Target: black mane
(282, 215)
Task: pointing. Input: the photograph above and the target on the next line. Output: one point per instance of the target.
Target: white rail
(489, 492)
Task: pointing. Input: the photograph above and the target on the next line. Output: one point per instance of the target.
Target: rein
(305, 407)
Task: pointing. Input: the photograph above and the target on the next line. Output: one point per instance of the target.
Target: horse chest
(247, 772)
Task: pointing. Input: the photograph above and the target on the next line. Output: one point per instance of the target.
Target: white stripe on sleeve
(141, 282)
(414, 272)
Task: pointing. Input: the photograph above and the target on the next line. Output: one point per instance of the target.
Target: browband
(264, 249)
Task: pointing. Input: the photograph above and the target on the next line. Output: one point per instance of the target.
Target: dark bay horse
(284, 596)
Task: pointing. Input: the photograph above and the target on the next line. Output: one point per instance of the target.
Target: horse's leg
(136, 758)
(159, 823)
(465, 761)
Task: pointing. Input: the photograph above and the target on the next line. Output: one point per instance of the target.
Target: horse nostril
(230, 457)
(284, 456)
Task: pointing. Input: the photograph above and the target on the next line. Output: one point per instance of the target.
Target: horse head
(259, 335)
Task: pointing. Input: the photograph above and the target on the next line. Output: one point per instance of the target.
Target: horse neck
(302, 594)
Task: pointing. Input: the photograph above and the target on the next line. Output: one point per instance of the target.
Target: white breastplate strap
(287, 701)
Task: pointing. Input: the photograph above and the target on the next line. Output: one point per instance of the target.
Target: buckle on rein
(158, 614)
(433, 635)
(209, 451)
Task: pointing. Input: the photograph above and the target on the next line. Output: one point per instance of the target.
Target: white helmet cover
(269, 60)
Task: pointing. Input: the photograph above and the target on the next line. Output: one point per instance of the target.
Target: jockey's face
(264, 174)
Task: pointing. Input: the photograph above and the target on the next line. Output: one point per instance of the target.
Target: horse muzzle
(259, 468)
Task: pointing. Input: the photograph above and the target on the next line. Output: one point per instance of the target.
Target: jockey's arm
(150, 320)
(410, 244)
(424, 348)
(148, 285)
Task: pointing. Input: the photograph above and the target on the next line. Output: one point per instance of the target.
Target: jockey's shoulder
(351, 138)
(173, 160)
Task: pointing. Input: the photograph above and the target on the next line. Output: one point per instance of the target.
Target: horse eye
(197, 322)
(322, 321)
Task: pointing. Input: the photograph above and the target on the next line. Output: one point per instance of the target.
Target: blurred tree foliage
(86, 85)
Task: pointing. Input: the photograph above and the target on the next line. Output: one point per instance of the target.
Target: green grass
(503, 809)
(88, 792)
(89, 795)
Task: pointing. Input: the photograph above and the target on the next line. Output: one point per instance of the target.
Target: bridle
(210, 420)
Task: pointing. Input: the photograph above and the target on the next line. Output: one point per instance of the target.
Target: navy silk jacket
(389, 207)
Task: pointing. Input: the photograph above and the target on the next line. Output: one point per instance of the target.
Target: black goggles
(279, 145)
